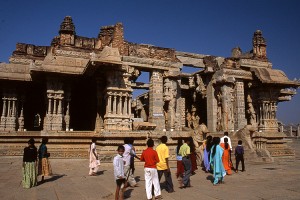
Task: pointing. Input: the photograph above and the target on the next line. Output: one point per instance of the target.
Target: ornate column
(13, 107)
(240, 116)
(212, 108)
(49, 105)
(114, 111)
(54, 106)
(108, 108)
(59, 106)
(129, 105)
(156, 115)
(9, 108)
(125, 110)
(3, 116)
(120, 104)
(21, 119)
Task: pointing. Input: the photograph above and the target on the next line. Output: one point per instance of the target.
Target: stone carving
(210, 62)
(199, 134)
(200, 86)
(236, 52)
(245, 134)
(251, 111)
(230, 63)
(170, 92)
(259, 46)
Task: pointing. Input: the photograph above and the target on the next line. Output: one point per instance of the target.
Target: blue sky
(205, 27)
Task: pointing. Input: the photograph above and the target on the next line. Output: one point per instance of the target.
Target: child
(239, 156)
(119, 172)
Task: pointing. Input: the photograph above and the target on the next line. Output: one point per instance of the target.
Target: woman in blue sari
(207, 146)
(216, 161)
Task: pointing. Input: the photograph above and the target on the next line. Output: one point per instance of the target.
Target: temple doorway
(83, 105)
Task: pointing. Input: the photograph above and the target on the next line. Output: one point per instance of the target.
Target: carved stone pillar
(67, 116)
(239, 118)
(212, 107)
(125, 110)
(156, 115)
(54, 118)
(129, 105)
(3, 116)
(8, 108)
(114, 111)
(13, 107)
(120, 104)
(21, 119)
(59, 106)
(49, 106)
(298, 130)
(110, 104)
(54, 107)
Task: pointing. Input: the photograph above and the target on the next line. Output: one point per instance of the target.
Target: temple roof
(267, 75)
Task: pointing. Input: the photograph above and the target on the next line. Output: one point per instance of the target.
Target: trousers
(151, 178)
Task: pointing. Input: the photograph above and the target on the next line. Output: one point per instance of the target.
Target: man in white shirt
(126, 158)
(229, 141)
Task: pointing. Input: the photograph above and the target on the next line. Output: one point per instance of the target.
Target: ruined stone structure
(80, 87)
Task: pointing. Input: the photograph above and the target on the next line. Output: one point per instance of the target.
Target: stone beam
(140, 85)
(191, 59)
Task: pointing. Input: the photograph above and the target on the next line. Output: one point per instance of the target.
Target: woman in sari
(216, 160)
(226, 156)
(207, 146)
(94, 161)
(44, 168)
(29, 165)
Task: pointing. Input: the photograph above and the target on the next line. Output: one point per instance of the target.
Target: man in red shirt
(151, 176)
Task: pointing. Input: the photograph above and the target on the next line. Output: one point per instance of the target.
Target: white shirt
(118, 167)
(126, 155)
(229, 141)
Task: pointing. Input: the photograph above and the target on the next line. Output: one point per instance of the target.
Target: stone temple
(80, 87)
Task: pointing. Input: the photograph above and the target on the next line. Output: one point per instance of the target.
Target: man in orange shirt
(151, 177)
(163, 165)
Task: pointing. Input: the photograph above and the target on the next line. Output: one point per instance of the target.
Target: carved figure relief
(245, 134)
(251, 111)
(170, 92)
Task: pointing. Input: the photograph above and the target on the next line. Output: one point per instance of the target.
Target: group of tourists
(35, 163)
(217, 157)
(216, 160)
(156, 165)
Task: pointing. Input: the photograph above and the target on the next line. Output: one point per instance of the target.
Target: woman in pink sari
(94, 161)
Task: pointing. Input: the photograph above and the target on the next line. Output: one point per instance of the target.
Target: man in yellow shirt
(163, 165)
(185, 152)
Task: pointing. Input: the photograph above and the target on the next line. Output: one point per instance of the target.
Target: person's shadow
(52, 178)
(137, 179)
(100, 172)
(211, 178)
(127, 193)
